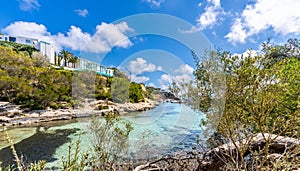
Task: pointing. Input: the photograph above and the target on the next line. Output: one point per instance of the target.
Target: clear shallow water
(167, 128)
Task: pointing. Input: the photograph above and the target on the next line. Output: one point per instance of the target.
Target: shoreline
(12, 115)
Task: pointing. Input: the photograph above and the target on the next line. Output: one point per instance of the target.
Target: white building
(4, 38)
(47, 50)
(24, 40)
(44, 48)
(84, 64)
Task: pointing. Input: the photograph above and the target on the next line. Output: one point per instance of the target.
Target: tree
(30, 82)
(174, 89)
(120, 90)
(40, 60)
(135, 93)
(261, 96)
(65, 55)
(110, 143)
(73, 60)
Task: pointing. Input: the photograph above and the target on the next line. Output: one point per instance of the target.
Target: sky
(151, 40)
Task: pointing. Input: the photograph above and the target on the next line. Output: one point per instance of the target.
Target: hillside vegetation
(249, 101)
(28, 79)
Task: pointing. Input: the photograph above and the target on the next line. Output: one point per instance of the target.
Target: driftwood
(217, 157)
(214, 159)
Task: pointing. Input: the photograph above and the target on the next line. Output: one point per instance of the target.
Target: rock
(11, 114)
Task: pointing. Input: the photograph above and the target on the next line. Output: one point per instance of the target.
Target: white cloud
(140, 65)
(216, 3)
(113, 34)
(159, 68)
(139, 79)
(214, 33)
(164, 87)
(154, 3)
(183, 78)
(28, 29)
(185, 69)
(165, 78)
(82, 12)
(183, 74)
(75, 39)
(210, 16)
(237, 33)
(247, 53)
(151, 85)
(28, 5)
(193, 29)
(106, 36)
(282, 17)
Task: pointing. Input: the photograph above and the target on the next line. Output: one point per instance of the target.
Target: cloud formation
(28, 29)
(28, 5)
(139, 79)
(154, 3)
(282, 17)
(183, 74)
(192, 30)
(137, 67)
(82, 12)
(185, 69)
(210, 15)
(103, 40)
(140, 65)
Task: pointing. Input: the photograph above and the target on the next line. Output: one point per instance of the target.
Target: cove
(167, 128)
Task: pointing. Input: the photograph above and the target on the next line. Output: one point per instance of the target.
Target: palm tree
(73, 59)
(64, 54)
(59, 59)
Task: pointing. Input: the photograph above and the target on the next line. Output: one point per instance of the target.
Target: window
(27, 41)
(12, 39)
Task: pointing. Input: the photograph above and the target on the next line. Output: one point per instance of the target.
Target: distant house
(44, 48)
(47, 49)
(25, 40)
(84, 64)
(4, 38)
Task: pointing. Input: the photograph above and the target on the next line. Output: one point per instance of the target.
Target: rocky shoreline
(14, 115)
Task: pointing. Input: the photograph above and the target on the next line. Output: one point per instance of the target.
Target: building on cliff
(47, 49)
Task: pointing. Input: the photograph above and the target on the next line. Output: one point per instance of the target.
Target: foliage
(73, 60)
(65, 55)
(40, 60)
(135, 93)
(174, 89)
(119, 74)
(21, 165)
(120, 90)
(30, 81)
(102, 91)
(261, 96)
(110, 142)
(19, 47)
(152, 91)
(77, 161)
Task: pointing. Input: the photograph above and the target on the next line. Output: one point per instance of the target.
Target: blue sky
(100, 31)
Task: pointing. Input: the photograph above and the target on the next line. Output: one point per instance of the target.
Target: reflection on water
(22, 132)
(165, 129)
(40, 146)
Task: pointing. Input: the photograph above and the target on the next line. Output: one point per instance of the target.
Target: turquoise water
(167, 128)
